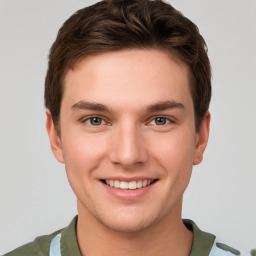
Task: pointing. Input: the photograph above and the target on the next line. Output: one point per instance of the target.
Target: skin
(134, 88)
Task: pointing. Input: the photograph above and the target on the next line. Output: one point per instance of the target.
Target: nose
(128, 147)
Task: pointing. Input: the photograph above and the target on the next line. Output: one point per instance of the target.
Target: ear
(202, 139)
(54, 138)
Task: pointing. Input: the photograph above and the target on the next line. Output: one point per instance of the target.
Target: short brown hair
(112, 25)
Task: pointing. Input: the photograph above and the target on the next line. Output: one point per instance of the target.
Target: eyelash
(165, 120)
(90, 119)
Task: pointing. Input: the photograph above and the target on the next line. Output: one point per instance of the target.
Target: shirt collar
(202, 241)
(69, 245)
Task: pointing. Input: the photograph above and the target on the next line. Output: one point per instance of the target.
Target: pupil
(160, 120)
(95, 121)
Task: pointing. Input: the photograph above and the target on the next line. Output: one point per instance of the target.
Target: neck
(168, 237)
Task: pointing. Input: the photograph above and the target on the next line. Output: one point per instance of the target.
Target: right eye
(160, 121)
(94, 121)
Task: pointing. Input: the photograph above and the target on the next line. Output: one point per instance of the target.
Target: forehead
(131, 76)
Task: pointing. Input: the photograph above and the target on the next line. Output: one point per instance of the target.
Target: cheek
(82, 153)
(82, 156)
(180, 144)
(175, 152)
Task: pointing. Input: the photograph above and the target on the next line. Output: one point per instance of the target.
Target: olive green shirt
(202, 242)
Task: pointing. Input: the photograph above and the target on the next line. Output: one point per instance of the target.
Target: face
(128, 137)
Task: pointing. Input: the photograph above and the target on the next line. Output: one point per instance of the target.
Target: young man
(127, 94)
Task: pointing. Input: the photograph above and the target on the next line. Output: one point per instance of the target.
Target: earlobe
(54, 138)
(202, 139)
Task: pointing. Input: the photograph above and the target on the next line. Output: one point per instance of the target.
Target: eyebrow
(85, 105)
(161, 106)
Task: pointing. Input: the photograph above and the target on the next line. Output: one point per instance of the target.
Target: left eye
(160, 121)
(94, 121)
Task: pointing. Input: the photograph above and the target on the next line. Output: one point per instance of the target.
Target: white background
(35, 197)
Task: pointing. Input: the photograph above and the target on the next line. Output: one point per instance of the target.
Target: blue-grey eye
(95, 121)
(160, 120)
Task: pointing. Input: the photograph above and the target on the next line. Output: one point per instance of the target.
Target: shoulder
(39, 247)
(206, 244)
(222, 248)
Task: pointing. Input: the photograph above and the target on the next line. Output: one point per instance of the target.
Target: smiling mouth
(128, 185)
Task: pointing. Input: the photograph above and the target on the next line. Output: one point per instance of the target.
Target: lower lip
(128, 194)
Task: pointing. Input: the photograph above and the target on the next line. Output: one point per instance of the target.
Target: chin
(128, 223)
(128, 227)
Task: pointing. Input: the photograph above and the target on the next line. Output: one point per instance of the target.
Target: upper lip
(128, 179)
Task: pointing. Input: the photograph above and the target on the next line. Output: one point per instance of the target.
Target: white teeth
(124, 185)
(132, 185)
(116, 183)
(139, 184)
(144, 183)
(128, 185)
